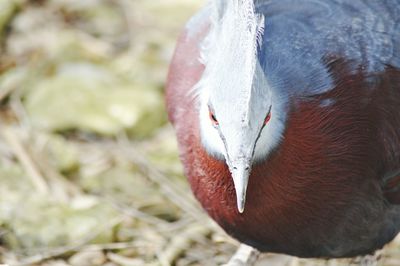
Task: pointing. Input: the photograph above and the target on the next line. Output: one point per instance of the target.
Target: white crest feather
(234, 86)
(235, 34)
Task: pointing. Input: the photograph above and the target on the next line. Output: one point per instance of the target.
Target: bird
(287, 116)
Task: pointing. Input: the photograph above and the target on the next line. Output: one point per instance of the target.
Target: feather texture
(235, 33)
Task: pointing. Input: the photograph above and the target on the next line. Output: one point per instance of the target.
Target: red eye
(213, 118)
(267, 118)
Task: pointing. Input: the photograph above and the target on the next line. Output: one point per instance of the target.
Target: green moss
(88, 98)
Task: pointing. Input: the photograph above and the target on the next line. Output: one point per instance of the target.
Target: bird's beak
(240, 170)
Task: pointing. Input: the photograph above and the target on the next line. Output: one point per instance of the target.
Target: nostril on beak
(247, 168)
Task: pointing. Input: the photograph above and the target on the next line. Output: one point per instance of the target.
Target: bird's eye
(213, 118)
(267, 118)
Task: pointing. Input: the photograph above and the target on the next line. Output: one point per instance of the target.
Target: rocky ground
(89, 173)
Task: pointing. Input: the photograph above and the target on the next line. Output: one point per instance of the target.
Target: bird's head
(241, 120)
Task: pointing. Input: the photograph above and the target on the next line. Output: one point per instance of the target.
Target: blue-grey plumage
(300, 36)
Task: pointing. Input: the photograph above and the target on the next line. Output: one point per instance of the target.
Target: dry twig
(56, 252)
(11, 137)
(171, 190)
(135, 213)
(121, 260)
(181, 242)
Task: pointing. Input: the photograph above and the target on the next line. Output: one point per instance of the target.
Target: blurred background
(89, 172)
